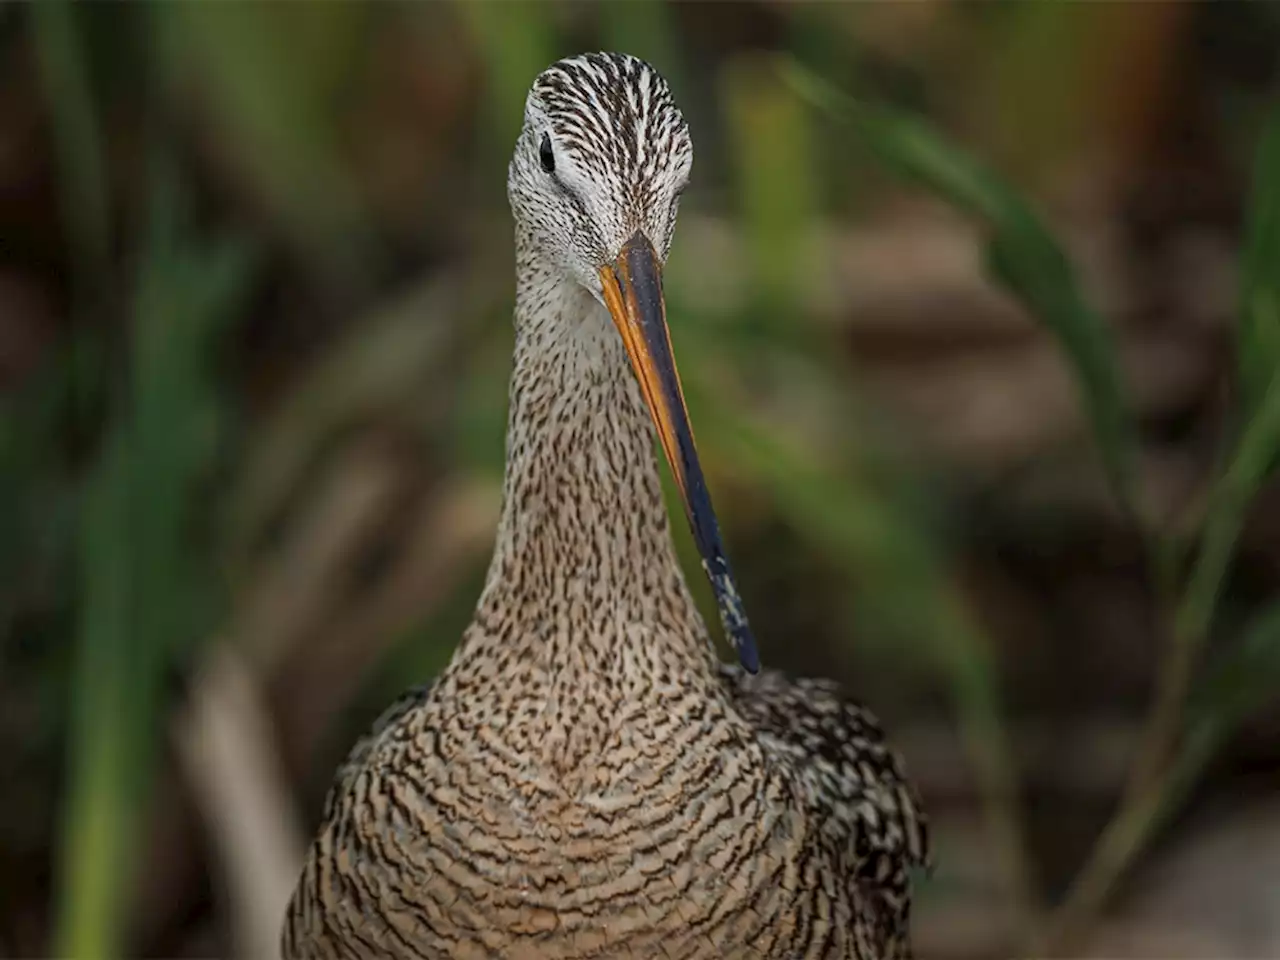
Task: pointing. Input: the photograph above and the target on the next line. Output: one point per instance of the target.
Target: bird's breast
(630, 857)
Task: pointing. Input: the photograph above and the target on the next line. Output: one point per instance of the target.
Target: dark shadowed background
(978, 312)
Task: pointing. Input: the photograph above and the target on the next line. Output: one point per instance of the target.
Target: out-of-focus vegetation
(978, 312)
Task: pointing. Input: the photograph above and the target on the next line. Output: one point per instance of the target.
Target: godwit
(585, 778)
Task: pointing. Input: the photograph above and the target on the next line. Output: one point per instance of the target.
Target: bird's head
(594, 184)
(603, 155)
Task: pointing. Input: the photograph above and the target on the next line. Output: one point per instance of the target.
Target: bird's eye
(546, 155)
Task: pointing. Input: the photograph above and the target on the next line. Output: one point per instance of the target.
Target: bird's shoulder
(851, 779)
(359, 754)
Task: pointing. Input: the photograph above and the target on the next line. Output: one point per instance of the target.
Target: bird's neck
(584, 582)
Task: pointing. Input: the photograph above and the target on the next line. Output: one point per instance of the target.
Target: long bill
(633, 293)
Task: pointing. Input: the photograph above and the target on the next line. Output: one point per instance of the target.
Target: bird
(586, 778)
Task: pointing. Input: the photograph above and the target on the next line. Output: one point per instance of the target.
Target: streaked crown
(604, 151)
(616, 115)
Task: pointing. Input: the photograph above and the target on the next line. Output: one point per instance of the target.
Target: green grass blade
(1259, 346)
(98, 828)
(1251, 674)
(775, 173)
(1255, 452)
(82, 175)
(1021, 254)
(644, 29)
(1244, 680)
(1249, 677)
(1228, 505)
(272, 77)
(514, 41)
(145, 590)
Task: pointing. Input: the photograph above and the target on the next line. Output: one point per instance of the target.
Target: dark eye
(546, 155)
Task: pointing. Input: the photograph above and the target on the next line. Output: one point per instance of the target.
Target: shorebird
(585, 778)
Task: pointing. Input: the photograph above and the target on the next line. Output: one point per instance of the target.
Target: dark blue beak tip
(748, 655)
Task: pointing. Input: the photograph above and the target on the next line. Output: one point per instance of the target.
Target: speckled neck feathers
(584, 592)
(582, 496)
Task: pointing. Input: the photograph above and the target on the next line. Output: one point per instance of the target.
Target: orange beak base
(633, 294)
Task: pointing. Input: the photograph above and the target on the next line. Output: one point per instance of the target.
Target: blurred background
(1004, 473)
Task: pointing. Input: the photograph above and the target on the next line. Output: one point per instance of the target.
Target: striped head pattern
(604, 152)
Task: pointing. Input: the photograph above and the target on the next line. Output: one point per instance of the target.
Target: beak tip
(632, 289)
(734, 619)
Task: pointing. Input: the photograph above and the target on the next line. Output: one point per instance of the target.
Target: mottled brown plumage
(585, 779)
